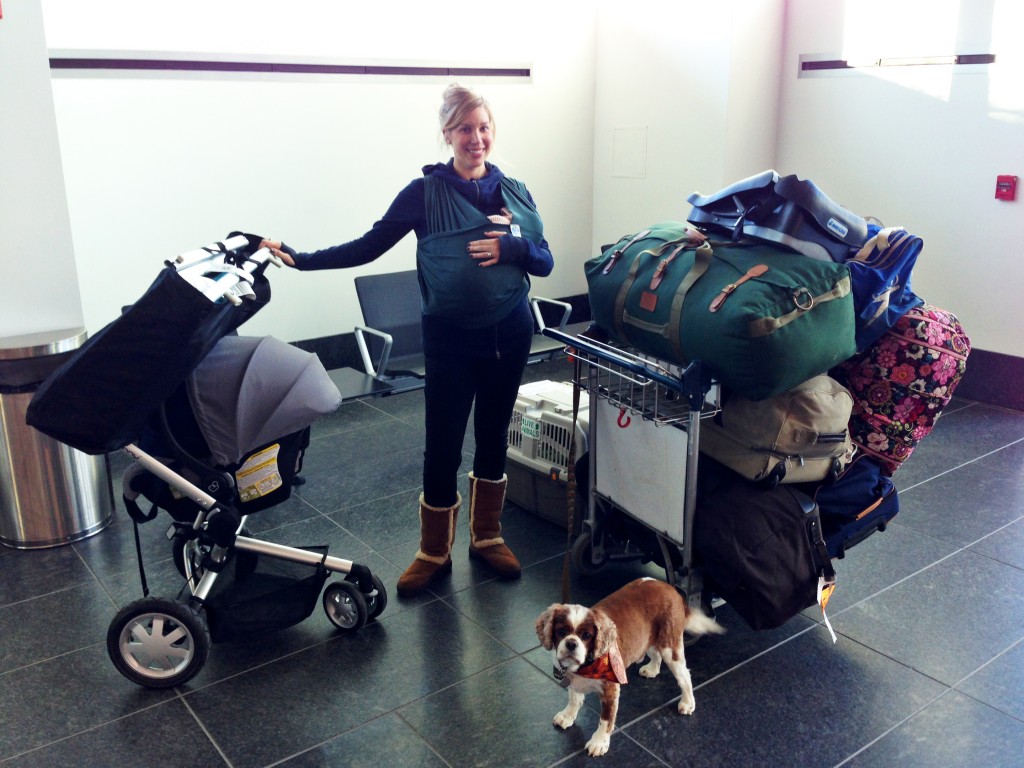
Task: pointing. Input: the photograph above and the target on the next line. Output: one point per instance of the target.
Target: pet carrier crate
(539, 436)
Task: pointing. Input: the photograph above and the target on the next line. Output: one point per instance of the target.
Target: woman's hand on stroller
(279, 249)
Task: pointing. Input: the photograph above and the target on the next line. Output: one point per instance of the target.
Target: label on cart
(259, 475)
(530, 427)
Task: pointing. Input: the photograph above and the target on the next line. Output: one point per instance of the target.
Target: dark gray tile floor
(927, 671)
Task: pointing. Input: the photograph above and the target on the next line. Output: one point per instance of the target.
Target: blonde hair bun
(457, 102)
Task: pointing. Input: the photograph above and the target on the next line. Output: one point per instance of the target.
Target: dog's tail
(698, 623)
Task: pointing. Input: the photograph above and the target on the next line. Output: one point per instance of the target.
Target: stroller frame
(163, 642)
(202, 580)
(160, 642)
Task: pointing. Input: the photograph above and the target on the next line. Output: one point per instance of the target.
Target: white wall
(156, 165)
(696, 94)
(921, 147)
(686, 101)
(39, 290)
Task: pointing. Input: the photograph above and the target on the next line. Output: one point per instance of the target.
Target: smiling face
(470, 139)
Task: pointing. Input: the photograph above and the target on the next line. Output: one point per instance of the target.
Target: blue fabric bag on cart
(880, 278)
(784, 210)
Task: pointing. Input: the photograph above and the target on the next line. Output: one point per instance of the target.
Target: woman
(479, 236)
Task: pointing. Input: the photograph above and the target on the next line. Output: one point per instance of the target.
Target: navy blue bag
(859, 502)
(880, 278)
(101, 398)
(795, 213)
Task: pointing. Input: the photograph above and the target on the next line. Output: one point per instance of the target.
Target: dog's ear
(607, 636)
(543, 627)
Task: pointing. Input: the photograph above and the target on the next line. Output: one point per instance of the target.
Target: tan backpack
(799, 436)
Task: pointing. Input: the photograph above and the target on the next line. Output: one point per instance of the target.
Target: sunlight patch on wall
(895, 30)
(1006, 96)
(875, 29)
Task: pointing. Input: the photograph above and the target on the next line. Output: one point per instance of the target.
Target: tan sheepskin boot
(486, 499)
(434, 557)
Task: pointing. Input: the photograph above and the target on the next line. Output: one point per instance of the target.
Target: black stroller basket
(217, 424)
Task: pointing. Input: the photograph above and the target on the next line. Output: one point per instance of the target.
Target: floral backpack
(901, 383)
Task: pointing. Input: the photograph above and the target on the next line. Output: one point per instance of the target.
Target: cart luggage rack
(638, 383)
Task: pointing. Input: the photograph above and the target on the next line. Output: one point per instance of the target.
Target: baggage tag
(825, 590)
(259, 475)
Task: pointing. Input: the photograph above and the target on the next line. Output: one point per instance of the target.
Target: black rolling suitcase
(760, 549)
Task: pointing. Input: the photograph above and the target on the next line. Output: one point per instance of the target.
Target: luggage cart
(644, 441)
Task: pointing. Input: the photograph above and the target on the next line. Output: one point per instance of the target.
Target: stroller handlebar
(209, 252)
(224, 270)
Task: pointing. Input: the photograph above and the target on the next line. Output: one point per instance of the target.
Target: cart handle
(694, 382)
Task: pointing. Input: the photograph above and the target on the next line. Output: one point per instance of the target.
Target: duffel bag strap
(659, 271)
(690, 239)
(701, 262)
(803, 302)
(826, 573)
(617, 253)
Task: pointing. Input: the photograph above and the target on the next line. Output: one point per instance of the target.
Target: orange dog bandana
(606, 667)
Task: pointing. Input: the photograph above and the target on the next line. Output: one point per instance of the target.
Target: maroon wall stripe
(181, 65)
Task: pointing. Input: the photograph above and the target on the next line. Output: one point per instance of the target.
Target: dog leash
(570, 482)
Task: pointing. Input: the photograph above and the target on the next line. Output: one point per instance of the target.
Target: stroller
(217, 425)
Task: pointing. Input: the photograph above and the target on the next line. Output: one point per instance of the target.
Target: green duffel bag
(762, 318)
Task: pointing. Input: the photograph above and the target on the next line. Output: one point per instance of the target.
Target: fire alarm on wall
(1006, 187)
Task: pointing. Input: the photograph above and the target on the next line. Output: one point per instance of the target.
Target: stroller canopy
(100, 399)
(249, 391)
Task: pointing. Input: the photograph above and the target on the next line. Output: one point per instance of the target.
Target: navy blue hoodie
(407, 213)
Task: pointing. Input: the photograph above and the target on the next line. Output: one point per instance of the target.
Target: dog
(591, 648)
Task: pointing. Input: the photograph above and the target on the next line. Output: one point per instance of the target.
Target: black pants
(454, 386)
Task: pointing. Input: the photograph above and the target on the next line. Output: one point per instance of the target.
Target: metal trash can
(50, 493)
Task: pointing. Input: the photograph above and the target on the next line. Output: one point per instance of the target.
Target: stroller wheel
(345, 605)
(158, 642)
(375, 603)
(583, 555)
